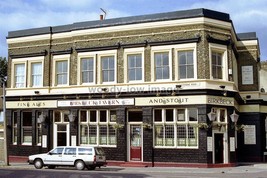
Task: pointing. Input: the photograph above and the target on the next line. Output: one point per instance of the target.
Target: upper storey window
(179, 59)
(162, 65)
(186, 64)
(98, 63)
(36, 74)
(108, 68)
(217, 65)
(134, 65)
(61, 70)
(28, 72)
(19, 75)
(218, 62)
(88, 70)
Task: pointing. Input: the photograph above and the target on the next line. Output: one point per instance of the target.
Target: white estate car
(78, 156)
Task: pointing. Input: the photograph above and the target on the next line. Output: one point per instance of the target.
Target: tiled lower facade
(152, 135)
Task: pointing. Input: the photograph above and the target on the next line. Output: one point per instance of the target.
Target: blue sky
(247, 16)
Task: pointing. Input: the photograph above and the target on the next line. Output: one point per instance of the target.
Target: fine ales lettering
(220, 101)
(31, 104)
(168, 100)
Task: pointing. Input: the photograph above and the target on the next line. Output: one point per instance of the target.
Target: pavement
(243, 167)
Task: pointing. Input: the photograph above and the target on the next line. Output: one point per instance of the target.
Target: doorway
(61, 129)
(135, 142)
(218, 148)
(62, 134)
(135, 136)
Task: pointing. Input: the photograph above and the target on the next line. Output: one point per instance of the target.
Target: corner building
(159, 89)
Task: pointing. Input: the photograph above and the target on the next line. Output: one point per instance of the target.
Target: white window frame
(185, 47)
(223, 50)
(218, 112)
(132, 51)
(26, 127)
(30, 62)
(175, 123)
(161, 49)
(97, 124)
(58, 58)
(15, 129)
(14, 63)
(81, 56)
(101, 54)
(38, 128)
(27, 74)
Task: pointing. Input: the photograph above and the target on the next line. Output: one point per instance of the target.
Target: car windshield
(99, 151)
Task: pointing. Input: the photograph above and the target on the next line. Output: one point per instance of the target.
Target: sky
(247, 16)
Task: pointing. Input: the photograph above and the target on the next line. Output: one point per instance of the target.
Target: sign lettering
(101, 102)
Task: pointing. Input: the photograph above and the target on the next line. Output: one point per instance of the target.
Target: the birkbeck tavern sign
(148, 101)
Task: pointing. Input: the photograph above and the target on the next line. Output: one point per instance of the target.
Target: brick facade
(173, 35)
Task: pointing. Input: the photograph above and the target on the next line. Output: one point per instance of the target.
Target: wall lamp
(234, 117)
(37, 92)
(41, 118)
(71, 116)
(212, 115)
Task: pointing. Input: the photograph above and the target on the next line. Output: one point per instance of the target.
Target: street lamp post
(5, 124)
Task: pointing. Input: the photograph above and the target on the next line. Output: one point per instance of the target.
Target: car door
(69, 156)
(54, 157)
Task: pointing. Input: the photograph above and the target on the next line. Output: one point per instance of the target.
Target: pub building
(169, 89)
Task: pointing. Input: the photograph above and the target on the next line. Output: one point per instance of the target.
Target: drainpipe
(5, 123)
(49, 88)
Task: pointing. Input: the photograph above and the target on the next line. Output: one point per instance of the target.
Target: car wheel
(38, 164)
(51, 167)
(79, 165)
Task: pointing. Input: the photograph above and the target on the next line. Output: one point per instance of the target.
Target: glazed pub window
(108, 68)
(62, 72)
(186, 64)
(96, 127)
(134, 67)
(19, 75)
(176, 128)
(88, 70)
(61, 117)
(36, 74)
(221, 116)
(15, 128)
(217, 65)
(162, 66)
(26, 129)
